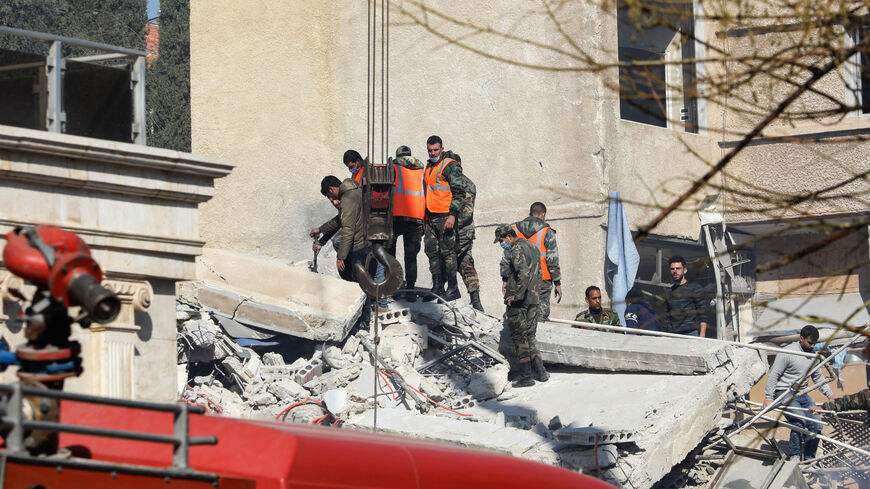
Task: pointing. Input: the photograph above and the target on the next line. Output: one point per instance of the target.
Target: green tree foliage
(168, 82)
(115, 22)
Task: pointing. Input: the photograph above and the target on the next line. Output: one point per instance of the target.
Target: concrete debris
(490, 384)
(564, 345)
(394, 316)
(253, 290)
(624, 408)
(592, 436)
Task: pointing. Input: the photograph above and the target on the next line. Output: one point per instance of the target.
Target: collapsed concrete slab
(598, 350)
(271, 295)
(488, 436)
(668, 415)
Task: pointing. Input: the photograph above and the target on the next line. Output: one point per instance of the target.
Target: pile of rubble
(241, 370)
(625, 408)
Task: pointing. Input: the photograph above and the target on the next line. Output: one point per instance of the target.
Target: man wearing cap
(523, 283)
(444, 193)
(409, 210)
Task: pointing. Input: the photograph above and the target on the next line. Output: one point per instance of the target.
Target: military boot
(524, 378)
(475, 300)
(452, 289)
(437, 284)
(541, 374)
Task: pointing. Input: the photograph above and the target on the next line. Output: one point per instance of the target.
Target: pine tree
(115, 22)
(168, 83)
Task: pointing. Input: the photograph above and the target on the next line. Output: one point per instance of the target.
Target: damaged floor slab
(627, 409)
(598, 350)
(274, 296)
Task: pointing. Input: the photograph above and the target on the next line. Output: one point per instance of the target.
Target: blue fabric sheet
(622, 258)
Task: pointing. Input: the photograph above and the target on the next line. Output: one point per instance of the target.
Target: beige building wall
(281, 89)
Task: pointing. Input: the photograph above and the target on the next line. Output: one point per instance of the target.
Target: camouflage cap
(501, 231)
(403, 151)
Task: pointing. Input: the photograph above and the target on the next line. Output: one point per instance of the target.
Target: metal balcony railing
(52, 95)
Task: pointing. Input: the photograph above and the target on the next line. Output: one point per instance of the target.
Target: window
(656, 88)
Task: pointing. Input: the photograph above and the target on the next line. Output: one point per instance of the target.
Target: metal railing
(180, 438)
(55, 64)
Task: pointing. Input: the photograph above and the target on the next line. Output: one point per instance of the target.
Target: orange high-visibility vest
(438, 194)
(409, 200)
(537, 239)
(358, 177)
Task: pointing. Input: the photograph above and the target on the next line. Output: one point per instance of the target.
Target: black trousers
(412, 240)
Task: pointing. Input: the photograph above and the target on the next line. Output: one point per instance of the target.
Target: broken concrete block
(333, 380)
(254, 290)
(333, 357)
(402, 350)
(309, 369)
(363, 386)
(236, 371)
(287, 390)
(421, 383)
(394, 316)
(263, 399)
(489, 384)
(273, 359)
(463, 403)
(272, 373)
(351, 345)
(607, 456)
(252, 367)
(592, 435)
(418, 333)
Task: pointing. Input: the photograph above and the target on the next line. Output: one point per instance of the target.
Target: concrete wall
(281, 89)
(136, 208)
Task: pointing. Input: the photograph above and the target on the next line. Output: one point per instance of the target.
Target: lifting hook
(394, 274)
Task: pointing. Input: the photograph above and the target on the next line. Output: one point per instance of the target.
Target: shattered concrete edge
(302, 322)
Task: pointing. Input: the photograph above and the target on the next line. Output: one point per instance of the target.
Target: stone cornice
(98, 238)
(61, 160)
(77, 147)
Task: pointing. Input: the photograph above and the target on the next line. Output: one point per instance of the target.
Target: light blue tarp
(622, 258)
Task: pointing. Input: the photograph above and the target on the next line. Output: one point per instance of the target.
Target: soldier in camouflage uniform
(531, 228)
(440, 226)
(852, 402)
(521, 298)
(465, 238)
(596, 314)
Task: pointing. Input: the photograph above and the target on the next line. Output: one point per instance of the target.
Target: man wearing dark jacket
(352, 247)
(686, 306)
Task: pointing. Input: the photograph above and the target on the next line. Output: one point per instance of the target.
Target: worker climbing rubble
(522, 283)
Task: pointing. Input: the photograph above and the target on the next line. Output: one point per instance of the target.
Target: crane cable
(371, 112)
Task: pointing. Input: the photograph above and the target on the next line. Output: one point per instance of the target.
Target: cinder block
(587, 435)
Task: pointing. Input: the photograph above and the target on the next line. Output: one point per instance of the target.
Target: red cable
(207, 409)
(215, 406)
(382, 374)
(296, 404)
(427, 397)
(318, 420)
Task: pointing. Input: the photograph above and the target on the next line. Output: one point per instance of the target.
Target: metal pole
(720, 298)
(137, 85)
(621, 329)
(73, 41)
(15, 438)
(55, 118)
(810, 433)
(180, 432)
